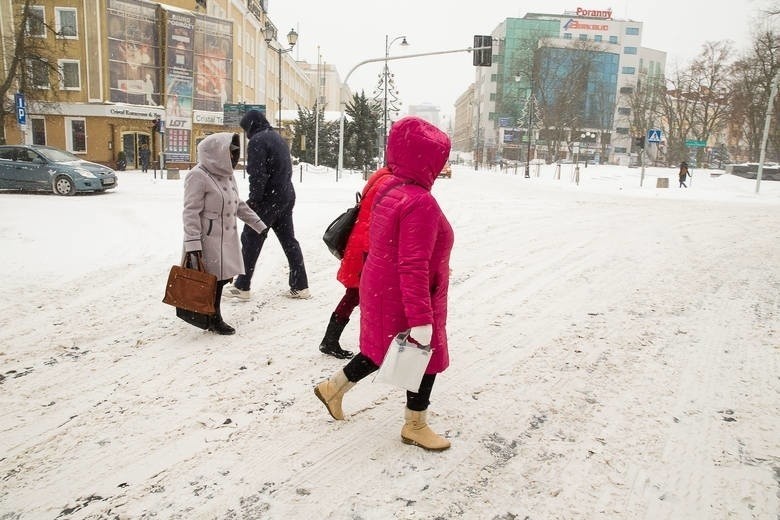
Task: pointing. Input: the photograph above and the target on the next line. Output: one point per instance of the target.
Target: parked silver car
(44, 168)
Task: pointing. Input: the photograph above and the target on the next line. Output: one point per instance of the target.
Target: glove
(422, 334)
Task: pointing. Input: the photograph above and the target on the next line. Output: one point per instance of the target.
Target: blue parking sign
(21, 108)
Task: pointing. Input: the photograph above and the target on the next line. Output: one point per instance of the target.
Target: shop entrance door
(131, 144)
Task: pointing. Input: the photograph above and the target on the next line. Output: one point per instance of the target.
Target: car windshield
(54, 155)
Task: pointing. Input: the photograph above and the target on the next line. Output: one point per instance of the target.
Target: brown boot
(331, 391)
(417, 432)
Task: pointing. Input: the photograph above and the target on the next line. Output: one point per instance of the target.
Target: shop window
(65, 22)
(76, 135)
(38, 130)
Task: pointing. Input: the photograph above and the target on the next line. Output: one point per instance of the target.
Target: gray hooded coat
(211, 205)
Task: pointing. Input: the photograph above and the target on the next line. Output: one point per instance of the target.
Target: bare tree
(32, 66)
(753, 74)
(712, 72)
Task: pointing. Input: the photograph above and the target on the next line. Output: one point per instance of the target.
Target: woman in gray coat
(211, 206)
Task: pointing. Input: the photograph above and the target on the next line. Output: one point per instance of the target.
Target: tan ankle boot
(417, 432)
(331, 391)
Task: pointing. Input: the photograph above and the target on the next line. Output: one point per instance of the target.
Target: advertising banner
(134, 50)
(213, 64)
(179, 81)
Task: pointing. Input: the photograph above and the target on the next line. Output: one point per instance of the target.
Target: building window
(597, 38)
(38, 130)
(39, 73)
(628, 70)
(632, 31)
(620, 149)
(626, 90)
(35, 22)
(621, 130)
(65, 22)
(624, 111)
(567, 36)
(583, 37)
(76, 135)
(613, 39)
(71, 74)
(629, 50)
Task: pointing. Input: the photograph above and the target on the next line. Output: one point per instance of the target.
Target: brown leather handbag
(191, 289)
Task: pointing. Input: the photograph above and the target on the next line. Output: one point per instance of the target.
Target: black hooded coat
(269, 166)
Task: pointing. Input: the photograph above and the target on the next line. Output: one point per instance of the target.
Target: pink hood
(417, 150)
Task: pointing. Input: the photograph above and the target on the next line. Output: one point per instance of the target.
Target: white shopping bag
(404, 364)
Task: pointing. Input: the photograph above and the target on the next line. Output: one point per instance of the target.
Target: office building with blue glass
(568, 78)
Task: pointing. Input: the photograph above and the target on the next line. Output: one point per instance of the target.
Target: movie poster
(213, 64)
(134, 51)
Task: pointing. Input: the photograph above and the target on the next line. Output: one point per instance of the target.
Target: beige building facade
(127, 64)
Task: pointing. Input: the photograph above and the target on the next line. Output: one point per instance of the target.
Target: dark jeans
(348, 302)
(252, 243)
(360, 366)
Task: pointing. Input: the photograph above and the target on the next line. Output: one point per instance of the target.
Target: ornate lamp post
(292, 39)
(388, 43)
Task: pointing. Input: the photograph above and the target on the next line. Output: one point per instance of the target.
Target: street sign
(233, 112)
(692, 143)
(654, 135)
(21, 108)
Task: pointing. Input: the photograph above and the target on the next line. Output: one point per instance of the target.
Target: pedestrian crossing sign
(654, 136)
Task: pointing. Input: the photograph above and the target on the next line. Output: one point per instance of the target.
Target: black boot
(220, 327)
(330, 343)
(217, 324)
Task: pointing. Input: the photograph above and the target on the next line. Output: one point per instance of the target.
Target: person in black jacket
(272, 197)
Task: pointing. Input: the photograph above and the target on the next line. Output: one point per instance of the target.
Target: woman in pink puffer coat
(405, 279)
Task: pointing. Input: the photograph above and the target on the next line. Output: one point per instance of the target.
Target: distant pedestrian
(144, 155)
(684, 173)
(272, 196)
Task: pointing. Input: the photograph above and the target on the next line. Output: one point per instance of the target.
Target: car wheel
(64, 186)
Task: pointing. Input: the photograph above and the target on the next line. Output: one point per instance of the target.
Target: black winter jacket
(269, 167)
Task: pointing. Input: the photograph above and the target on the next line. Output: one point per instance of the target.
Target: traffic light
(482, 54)
(639, 142)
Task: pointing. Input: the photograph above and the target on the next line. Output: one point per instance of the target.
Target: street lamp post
(292, 39)
(388, 43)
(529, 133)
(583, 136)
(342, 101)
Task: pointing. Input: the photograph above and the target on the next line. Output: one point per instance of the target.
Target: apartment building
(137, 73)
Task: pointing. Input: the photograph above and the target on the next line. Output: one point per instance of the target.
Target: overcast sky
(350, 31)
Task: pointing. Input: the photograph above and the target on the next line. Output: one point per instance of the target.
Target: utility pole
(767, 119)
